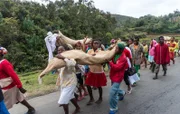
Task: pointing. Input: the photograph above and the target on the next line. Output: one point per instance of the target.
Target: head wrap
(121, 45)
(3, 50)
(112, 41)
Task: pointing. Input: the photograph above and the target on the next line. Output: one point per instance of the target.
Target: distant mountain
(122, 19)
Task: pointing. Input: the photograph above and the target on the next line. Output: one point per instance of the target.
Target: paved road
(161, 96)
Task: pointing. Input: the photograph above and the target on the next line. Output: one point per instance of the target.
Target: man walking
(161, 56)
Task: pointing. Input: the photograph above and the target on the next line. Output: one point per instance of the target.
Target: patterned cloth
(67, 74)
(172, 46)
(137, 51)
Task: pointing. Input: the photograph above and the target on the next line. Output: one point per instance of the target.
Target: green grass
(30, 83)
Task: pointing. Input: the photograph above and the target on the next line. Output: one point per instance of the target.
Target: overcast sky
(137, 8)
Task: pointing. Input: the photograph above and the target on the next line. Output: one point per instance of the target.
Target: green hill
(122, 19)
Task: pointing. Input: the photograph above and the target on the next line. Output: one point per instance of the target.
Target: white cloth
(134, 78)
(66, 94)
(129, 63)
(151, 58)
(80, 69)
(51, 44)
(129, 50)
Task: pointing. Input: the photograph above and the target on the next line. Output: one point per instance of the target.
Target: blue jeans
(115, 94)
(3, 109)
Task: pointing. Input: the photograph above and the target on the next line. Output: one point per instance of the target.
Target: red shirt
(6, 70)
(127, 53)
(161, 54)
(117, 69)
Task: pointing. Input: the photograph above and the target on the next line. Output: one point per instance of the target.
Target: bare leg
(80, 91)
(31, 110)
(145, 62)
(85, 91)
(66, 108)
(74, 102)
(100, 95)
(90, 95)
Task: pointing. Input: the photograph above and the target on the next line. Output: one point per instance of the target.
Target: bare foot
(76, 111)
(90, 102)
(31, 111)
(99, 101)
(86, 93)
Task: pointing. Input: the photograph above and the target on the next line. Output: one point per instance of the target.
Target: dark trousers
(164, 66)
(126, 78)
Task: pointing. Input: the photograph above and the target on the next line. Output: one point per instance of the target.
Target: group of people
(73, 78)
(160, 53)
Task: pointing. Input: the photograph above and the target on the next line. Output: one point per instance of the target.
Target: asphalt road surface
(160, 96)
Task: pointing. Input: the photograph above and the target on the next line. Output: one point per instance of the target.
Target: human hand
(85, 39)
(107, 60)
(22, 90)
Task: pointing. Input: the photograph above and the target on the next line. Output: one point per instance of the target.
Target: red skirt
(96, 79)
(171, 54)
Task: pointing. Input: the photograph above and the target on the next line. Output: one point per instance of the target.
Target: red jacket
(162, 54)
(6, 70)
(117, 69)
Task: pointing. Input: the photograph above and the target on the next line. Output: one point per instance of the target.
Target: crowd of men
(77, 81)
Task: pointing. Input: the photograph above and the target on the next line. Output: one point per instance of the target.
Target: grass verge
(30, 83)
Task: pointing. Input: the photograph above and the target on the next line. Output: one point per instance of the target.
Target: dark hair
(132, 39)
(137, 39)
(56, 31)
(94, 41)
(161, 37)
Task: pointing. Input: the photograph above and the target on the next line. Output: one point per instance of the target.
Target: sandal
(129, 91)
(80, 98)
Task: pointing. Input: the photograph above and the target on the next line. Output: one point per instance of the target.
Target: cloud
(136, 8)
